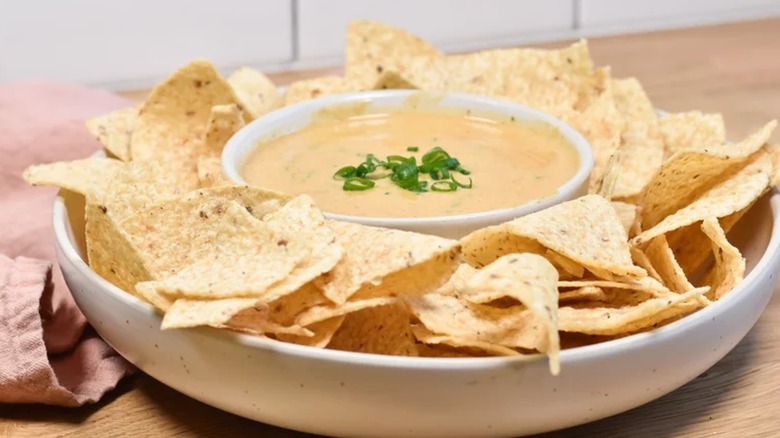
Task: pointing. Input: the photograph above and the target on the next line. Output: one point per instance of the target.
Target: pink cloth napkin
(46, 355)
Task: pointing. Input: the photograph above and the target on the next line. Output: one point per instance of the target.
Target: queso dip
(509, 163)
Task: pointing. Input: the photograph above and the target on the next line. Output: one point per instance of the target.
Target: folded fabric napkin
(46, 355)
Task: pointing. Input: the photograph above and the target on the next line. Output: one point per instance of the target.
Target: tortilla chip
(641, 260)
(372, 47)
(605, 186)
(725, 198)
(210, 172)
(173, 120)
(175, 233)
(729, 268)
(642, 153)
(322, 313)
(136, 186)
(692, 247)
(514, 327)
(691, 172)
(693, 129)
(632, 101)
(323, 333)
(428, 337)
(258, 94)
(285, 309)
(391, 80)
(585, 230)
(567, 268)
(457, 280)
(377, 330)
(147, 291)
(90, 176)
(110, 253)
(774, 154)
(250, 258)
(194, 313)
(629, 319)
(627, 213)
(257, 321)
(224, 121)
(528, 279)
(318, 87)
(113, 131)
(646, 284)
(531, 281)
(587, 293)
(372, 254)
(599, 121)
(661, 256)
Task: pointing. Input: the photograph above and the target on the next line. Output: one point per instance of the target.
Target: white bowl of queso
(442, 163)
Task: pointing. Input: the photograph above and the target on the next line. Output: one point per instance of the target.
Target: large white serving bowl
(295, 117)
(353, 394)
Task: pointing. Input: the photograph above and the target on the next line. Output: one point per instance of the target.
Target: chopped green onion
(405, 172)
(444, 186)
(435, 154)
(460, 184)
(356, 184)
(345, 172)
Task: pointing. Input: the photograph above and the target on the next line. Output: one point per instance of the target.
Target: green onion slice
(345, 172)
(356, 184)
(444, 186)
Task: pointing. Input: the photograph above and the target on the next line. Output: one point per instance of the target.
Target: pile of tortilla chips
(648, 246)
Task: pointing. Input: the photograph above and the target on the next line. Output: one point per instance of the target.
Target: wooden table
(733, 69)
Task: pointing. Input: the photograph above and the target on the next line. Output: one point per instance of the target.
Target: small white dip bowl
(293, 118)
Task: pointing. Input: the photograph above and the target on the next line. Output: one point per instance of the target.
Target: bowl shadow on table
(698, 399)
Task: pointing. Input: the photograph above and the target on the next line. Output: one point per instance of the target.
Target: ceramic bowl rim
(242, 143)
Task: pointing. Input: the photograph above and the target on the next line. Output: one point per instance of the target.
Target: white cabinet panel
(135, 42)
(458, 24)
(667, 13)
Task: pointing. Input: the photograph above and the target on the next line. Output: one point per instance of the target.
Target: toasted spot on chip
(371, 254)
(687, 174)
(257, 94)
(113, 131)
(586, 230)
(90, 176)
(725, 198)
(729, 267)
(378, 330)
(693, 129)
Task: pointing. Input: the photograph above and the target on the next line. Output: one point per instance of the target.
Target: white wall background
(125, 44)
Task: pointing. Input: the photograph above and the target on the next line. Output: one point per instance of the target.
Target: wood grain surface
(732, 69)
